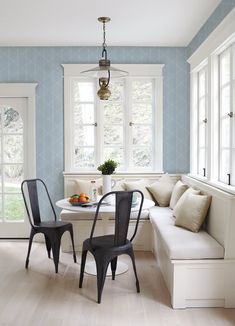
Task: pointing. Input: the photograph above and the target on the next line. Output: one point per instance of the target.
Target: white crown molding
(223, 33)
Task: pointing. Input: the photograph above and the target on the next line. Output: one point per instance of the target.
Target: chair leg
(32, 233)
(48, 245)
(113, 267)
(83, 263)
(101, 267)
(56, 252)
(72, 239)
(131, 254)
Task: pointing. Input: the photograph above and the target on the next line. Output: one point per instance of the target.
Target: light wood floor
(39, 297)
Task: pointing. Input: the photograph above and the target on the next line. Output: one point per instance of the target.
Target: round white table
(105, 211)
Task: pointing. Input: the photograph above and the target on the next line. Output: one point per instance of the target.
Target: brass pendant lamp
(104, 71)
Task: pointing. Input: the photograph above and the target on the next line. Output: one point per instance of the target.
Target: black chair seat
(52, 224)
(52, 230)
(107, 248)
(104, 242)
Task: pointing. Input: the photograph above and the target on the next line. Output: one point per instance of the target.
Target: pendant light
(104, 71)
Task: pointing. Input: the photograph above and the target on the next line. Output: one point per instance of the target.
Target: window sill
(213, 183)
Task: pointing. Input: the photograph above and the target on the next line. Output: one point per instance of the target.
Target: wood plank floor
(39, 297)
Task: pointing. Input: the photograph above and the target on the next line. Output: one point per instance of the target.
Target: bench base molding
(197, 283)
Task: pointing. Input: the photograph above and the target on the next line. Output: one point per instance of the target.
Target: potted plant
(107, 168)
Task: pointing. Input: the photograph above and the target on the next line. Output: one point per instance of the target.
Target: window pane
(225, 132)
(202, 109)
(225, 100)
(13, 176)
(142, 157)
(115, 154)
(142, 90)
(142, 113)
(113, 135)
(201, 161)
(13, 207)
(113, 113)
(13, 149)
(225, 68)
(1, 214)
(12, 121)
(116, 88)
(84, 136)
(233, 168)
(84, 157)
(202, 83)
(142, 135)
(224, 165)
(83, 113)
(83, 92)
(202, 135)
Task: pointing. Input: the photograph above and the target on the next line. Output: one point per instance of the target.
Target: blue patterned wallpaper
(43, 65)
(212, 22)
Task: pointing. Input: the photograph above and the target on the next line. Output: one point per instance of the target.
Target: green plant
(108, 167)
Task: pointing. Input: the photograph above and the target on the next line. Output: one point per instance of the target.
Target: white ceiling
(74, 22)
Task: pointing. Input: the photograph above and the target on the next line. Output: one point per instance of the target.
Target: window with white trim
(226, 68)
(126, 128)
(200, 120)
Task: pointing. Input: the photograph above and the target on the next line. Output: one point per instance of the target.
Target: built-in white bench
(198, 268)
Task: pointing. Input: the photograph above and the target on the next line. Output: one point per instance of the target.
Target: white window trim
(221, 38)
(28, 91)
(135, 70)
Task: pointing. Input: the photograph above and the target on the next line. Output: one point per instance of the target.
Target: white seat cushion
(180, 243)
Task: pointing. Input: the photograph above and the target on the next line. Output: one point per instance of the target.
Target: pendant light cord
(104, 52)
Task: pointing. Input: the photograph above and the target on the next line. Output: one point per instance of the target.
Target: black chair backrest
(33, 207)
(123, 205)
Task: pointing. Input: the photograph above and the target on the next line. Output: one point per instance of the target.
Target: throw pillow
(139, 185)
(177, 192)
(191, 212)
(190, 190)
(84, 186)
(161, 190)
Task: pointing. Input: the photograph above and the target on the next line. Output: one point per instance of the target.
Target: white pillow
(161, 190)
(190, 190)
(191, 212)
(177, 192)
(84, 186)
(139, 185)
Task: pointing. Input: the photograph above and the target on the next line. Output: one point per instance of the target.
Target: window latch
(131, 124)
(204, 172)
(229, 177)
(94, 124)
(205, 120)
(230, 114)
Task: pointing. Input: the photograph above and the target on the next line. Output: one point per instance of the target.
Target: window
(200, 120)
(226, 68)
(213, 116)
(126, 128)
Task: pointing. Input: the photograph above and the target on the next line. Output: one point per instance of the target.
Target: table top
(64, 204)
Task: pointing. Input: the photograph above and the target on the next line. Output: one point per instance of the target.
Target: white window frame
(220, 39)
(154, 71)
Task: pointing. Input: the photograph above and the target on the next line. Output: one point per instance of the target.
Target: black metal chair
(52, 229)
(107, 248)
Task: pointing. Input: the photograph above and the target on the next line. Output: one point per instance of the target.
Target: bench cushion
(180, 243)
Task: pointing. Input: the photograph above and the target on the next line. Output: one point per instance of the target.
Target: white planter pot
(108, 184)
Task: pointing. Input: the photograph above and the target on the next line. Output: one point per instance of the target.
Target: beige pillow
(84, 186)
(191, 212)
(188, 191)
(139, 185)
(177, 192)
(161, 190)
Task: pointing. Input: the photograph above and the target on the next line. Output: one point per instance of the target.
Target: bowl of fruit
(78, 200)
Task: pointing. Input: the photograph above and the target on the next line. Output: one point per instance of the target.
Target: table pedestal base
(90, 268)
